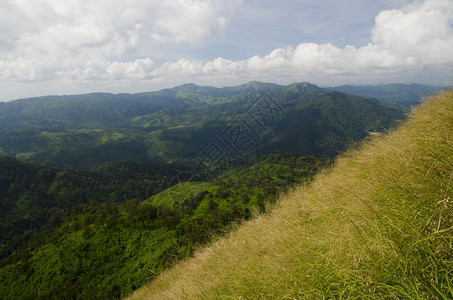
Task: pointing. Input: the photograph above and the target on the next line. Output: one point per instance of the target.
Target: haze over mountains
(399, 94)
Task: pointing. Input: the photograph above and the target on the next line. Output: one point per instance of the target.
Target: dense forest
(98, 233)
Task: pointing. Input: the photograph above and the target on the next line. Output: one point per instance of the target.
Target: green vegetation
(112, 190)
(72, 234)
(35, 199)
(176, 125)
(377, 226)
(178, 193)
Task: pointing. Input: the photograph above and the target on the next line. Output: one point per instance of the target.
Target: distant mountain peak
(258, 85)
(303, 87)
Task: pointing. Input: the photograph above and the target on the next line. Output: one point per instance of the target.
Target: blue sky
(79, 46)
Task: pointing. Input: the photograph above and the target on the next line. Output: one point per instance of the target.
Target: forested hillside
(177, 125)
(68, 233)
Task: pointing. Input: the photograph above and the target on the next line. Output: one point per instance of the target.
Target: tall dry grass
(377, 225)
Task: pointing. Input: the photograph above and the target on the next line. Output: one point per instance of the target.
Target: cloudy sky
(79, 46)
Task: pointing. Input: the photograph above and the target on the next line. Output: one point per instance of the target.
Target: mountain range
(178, 124)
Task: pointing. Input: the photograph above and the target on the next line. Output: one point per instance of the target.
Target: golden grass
(377, 225)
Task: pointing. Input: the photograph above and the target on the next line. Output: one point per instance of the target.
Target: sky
(56, 47)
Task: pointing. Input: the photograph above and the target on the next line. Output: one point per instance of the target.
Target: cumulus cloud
(423, 32)
(417, 37)
(42, 38)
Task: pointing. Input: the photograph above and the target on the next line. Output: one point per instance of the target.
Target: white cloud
(42, 38)
(139, 69)
(197, 21)
(423, 32)
(416, 38)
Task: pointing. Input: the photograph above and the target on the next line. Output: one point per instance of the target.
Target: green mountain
(378, 225)
(183, 123)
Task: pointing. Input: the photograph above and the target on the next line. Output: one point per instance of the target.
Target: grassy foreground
(378, 225)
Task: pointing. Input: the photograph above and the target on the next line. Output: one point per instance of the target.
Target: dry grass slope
(379, 224)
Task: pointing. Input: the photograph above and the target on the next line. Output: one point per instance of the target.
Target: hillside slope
(378, 225)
